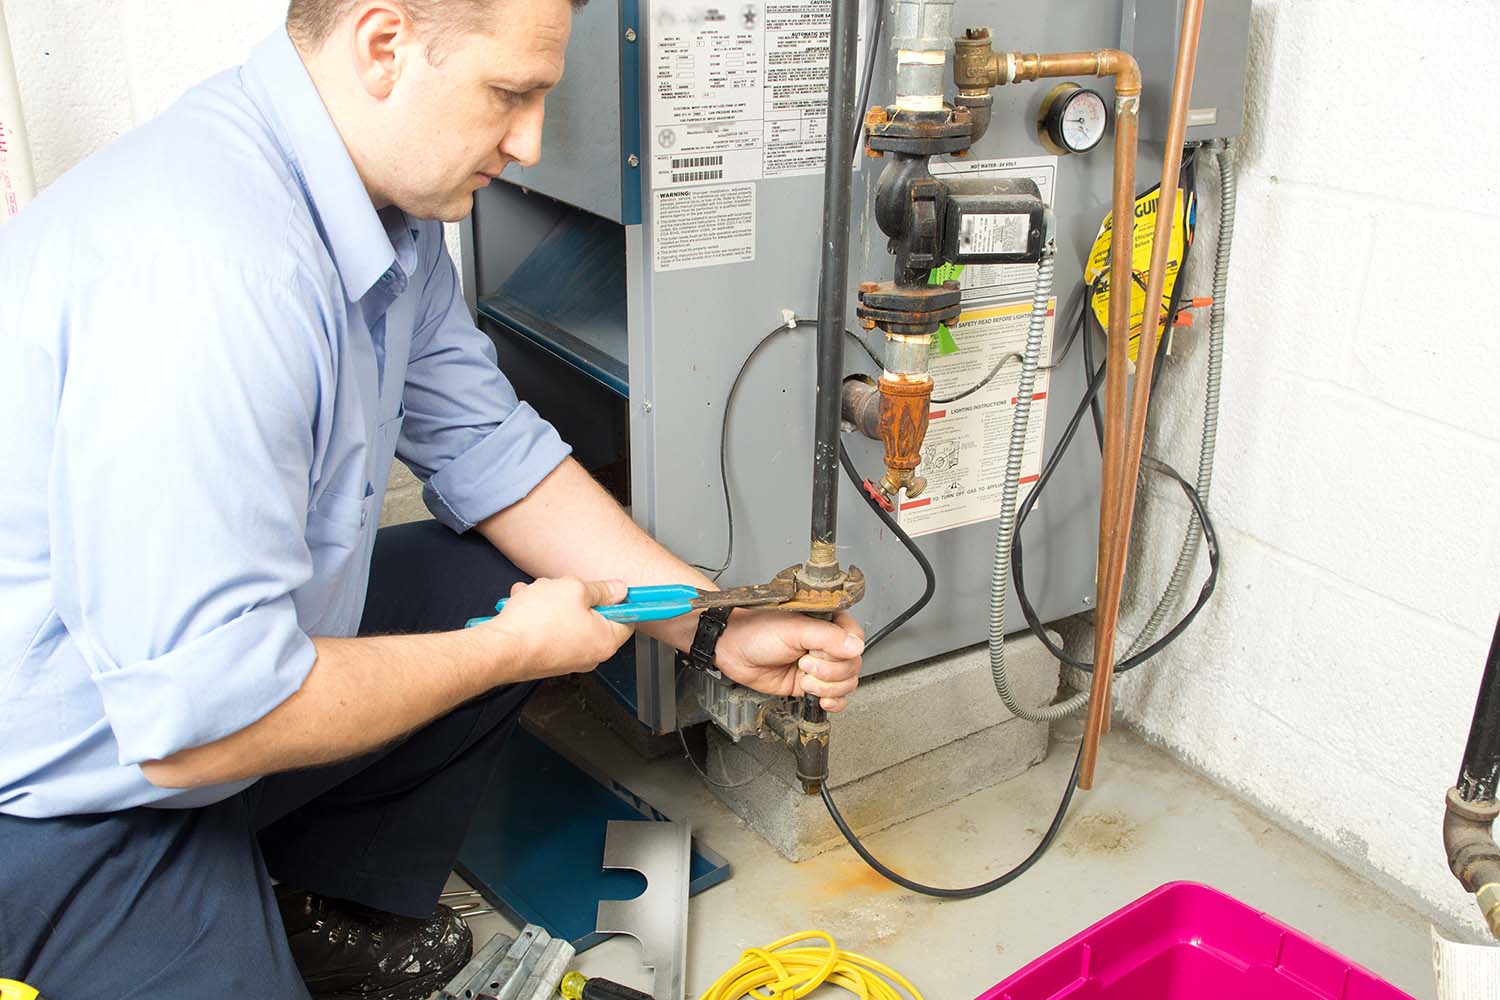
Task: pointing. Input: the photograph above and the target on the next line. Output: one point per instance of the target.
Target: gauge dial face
(1081, 120)
(1073, 119)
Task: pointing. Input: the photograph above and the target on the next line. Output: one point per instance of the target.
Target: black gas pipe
(821, 570)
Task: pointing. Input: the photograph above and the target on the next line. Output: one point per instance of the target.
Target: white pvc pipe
(17, 185)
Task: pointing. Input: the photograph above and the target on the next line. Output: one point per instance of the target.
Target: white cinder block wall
(1333, 677)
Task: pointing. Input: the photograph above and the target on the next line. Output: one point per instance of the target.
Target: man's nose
(523, 143)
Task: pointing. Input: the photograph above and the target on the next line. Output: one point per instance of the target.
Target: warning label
(994, 232)
(739, 89)
(699, 227)
(1145, 238)
(963, 456)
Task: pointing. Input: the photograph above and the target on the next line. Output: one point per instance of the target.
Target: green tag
(942, 341)
(944, 272)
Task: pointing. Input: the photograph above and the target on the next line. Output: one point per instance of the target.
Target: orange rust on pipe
(1111, 582)
(904, 404)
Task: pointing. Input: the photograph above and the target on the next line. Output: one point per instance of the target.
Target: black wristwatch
(711, 624)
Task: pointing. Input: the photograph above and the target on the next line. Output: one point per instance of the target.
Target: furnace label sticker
(739, 89)
(1001, 280)
(963, 456)
(703, 226)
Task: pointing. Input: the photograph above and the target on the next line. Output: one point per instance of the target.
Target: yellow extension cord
(780, 972)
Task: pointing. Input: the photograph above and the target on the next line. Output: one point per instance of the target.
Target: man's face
(478, 109)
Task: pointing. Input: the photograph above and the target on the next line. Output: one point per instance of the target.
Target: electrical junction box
(671, 227)
(998, 222)
(1150, 30)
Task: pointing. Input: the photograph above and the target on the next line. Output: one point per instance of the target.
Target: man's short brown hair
(310, 22)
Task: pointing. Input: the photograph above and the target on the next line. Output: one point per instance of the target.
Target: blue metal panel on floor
(536, 844)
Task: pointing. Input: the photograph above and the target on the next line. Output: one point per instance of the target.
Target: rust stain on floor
(828, 877)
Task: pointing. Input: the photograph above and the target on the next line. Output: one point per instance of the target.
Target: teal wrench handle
(641, 604)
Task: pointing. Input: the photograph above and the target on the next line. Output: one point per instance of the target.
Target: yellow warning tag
(1145, 233)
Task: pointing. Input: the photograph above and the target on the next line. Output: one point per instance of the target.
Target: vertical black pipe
(833, 285)
(1481, 767)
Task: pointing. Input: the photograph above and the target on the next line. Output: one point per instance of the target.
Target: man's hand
(552, 628)
(780, 653)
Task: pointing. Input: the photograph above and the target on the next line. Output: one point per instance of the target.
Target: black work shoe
(346, 951)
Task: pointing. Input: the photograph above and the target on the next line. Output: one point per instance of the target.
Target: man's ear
(382, 40)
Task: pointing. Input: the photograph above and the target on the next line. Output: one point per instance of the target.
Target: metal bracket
(657, 918)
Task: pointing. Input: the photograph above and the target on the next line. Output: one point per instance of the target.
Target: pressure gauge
(1073, 119)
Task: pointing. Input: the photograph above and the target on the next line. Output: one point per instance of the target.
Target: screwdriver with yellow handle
(576, 987)
(12, 990)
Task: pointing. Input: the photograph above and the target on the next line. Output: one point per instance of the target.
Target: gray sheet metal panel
(580, 161)
(1219, 79)
(698, 325)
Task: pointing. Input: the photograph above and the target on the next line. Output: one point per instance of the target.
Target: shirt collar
(363, 245)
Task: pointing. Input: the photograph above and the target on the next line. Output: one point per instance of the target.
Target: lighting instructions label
(703, 226)
(1000, 280)
(963, 456)
(739, 90)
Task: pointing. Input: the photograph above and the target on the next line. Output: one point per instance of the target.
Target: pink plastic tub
(1185, 941)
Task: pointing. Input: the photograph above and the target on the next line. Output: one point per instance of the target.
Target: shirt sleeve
(476, 447)
(179, 487)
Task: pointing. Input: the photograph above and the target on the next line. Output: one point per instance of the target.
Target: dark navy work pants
(177, 904)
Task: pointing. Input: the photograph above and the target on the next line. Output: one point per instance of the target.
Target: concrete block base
(912, 740)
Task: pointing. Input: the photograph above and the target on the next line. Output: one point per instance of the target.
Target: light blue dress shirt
(211, 346)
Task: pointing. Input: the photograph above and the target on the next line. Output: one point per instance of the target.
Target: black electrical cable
(1210, 536)
(734, 386)
(930, 587)
(871, 48)
(968, 892)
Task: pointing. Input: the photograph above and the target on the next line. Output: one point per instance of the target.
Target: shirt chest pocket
(339, 529)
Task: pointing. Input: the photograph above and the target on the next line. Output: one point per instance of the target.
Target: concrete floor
(1148, 820)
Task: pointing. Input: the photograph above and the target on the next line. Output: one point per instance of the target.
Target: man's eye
(506, 96)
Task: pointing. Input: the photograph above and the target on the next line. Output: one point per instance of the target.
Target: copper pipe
(976, 67)
(1111, 582)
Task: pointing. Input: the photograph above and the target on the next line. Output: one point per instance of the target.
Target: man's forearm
(569, 526)
(359, 695)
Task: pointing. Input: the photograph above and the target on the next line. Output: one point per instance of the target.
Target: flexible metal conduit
(1187, 557)
(1000, 579)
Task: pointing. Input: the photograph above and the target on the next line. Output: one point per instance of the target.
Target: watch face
(1082, 117)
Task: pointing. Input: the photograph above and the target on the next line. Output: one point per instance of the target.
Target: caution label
(1146, 207)
(700, 227)
(963, 456)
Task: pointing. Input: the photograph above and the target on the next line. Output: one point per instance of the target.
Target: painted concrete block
(912, 740)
